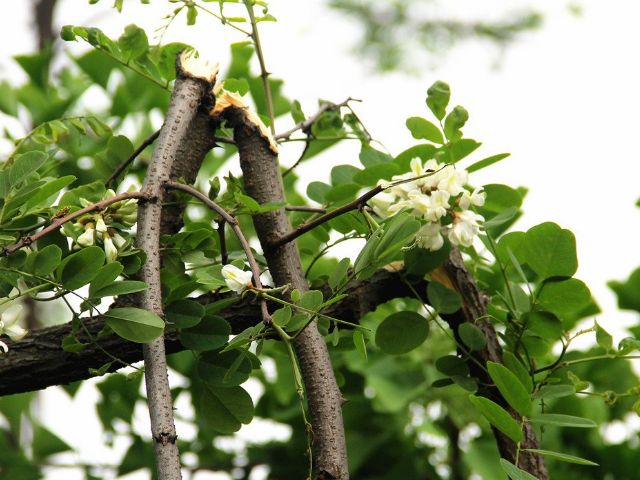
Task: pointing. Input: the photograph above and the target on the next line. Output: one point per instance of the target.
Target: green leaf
(627, 292)
(184, 313)
(295, 295)
(317, 191)
(472, 336)
(282, 316)
(49, 189)
(563, 296)
(80, 268)
(554, 391)
(25, 165)
(551, 251)
(545, 324)
(46, 443)
(501, 219)
(501, 197)
(134, 324)
(486, 162)
(210, 333)
(420, 261)
(438, 97)
(604, 339)
(452, 366)
(342, 192)
(513, 391)
(380, 171)
(518, 369)
(226, 409)
(105, 276)
(133, 42)
(339, 273)
(402, 332)
(296, 111)
(120, 288)
(454, 122)
(563, 420)
(424, 129)
(312, 300)
(213, 367)
(424, 152)
(370, 156)
(498, 417)
(463, 148)
(343, 174)
(396, 233)
(561, 456)
(47, 260)
(358, 341)
(443, 299)
(514, 472)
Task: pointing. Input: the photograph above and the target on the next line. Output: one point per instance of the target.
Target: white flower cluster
(8, 318)
(432, 197)
(105, 227)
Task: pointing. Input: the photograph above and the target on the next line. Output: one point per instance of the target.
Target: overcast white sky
(563, 100)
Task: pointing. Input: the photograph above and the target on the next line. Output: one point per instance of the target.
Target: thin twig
(304, 208)
(263, 69)
(224, 256)
(233, 223)
(58, 222)
(228, 140)
(304, 152)
(145, 143)
(357, 204)
(306, 124)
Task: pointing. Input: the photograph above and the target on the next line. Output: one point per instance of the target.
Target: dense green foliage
(415, 410)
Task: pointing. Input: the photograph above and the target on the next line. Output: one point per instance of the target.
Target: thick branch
(38, 360)
(189, 89)
(474, 308)
(263, 183)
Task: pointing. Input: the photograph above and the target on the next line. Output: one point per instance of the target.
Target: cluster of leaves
(386, 367)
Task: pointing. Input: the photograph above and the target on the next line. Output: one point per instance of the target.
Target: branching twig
(145, 143)
(58, 222)
(233, 223)
(300, 158)
(305, 125)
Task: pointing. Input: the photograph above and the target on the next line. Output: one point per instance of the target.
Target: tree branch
(308, 123)
(263, 182)
(192, 81)
(120, 168)
(454, 273)
(38, 360)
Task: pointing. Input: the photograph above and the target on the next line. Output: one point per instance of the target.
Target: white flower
(438, 205)
(100, 225)
(429, 237)
(476, 198)
(236, 279)
(465, 227)
(110, 249)
(118, 240)
(8, 318)
(452, 180)
(109, 194)
(87, 238)
(266, 279)
(381, 203)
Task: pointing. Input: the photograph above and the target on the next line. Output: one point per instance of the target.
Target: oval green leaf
(498, 417)
(210, 333)
(545, 324)
(226, 409)
(213, 367)
(135, 324)
(443, 299)
(563, 420)
(402, 332)
(514, 472)
(518, 369)
(554, 391)
(78, 269)
(184, 313)
(513, 391)
(472, 336)
(551, 251)
(563, 296)
(424, 129)
(561, 456)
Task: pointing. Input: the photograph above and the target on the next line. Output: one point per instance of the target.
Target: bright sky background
(563, 100)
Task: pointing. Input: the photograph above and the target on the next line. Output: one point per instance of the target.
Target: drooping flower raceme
(434, 197)
(105, 227)
(8, 318)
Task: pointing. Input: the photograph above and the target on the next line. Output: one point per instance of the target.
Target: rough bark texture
(474, 307)
(38, 360)
(185, 101)
(263, 183)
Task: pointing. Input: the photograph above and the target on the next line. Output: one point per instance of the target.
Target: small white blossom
(118, 240)
(110, 249)
(266, 279)
(381, 203)
(429, 237)
(476, 198)
(236, 279)
(438, 205)
(8, 318)
(465, 227)
(100, 225)
(87, 239)
(452, 180)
